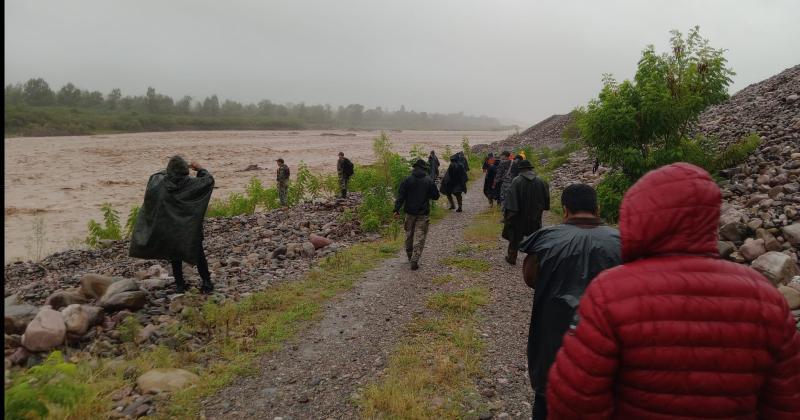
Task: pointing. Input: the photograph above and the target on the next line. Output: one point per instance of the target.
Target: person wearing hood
(562, 260)
(462, 159)
(488, 181)
(454, 182)
(676, 332)
(528, 196)
(502, 169)
(170, 222)
(414, 197)
(486, 164)
(433, 164)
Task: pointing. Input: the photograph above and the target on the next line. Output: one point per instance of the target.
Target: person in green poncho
(170, 222)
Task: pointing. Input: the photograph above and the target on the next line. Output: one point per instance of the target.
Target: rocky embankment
(546, 133)
(760, 223)
(78, 299)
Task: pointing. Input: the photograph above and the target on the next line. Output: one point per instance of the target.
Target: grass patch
(443, 279)
(484, 228)
(467, 264)
(463, 302)
(431, 374)
(235, 334)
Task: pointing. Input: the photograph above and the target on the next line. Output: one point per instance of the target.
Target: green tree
(211, 105)
(13, 94)
(37, 92)
(184, 105)
(635, 126)
(112, 100)
(68, 95)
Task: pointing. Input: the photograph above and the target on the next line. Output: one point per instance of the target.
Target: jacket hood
(529, 175)
(419, 173)
(673, 209)
(177, 167)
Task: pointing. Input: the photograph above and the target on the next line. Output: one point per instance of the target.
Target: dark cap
(421, 164)
(524, 164)
(279, 160)
(341, 153)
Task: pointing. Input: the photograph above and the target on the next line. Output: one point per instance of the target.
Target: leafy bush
(738, 152)
(34, 393)
(111, 228)
(609, 195)
(130, 223)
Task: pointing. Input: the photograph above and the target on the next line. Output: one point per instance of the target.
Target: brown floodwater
(59, 183)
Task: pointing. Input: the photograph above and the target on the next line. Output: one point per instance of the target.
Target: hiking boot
(459, 210)
(206, 288)
(511, 261)
(180, 288)
(414, 265)
(409, 254)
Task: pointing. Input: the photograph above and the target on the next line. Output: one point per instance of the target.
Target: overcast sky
(519, 60)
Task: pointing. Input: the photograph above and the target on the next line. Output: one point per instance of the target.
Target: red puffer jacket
(675, 332)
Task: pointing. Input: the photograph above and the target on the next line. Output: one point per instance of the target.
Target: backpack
(347, 168)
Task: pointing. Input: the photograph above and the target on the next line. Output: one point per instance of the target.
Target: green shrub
(35, 393)
(609, 195)
(738, 152)
(130, 223)
(111, 228)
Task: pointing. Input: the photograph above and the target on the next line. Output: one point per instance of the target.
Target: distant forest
(34, 109)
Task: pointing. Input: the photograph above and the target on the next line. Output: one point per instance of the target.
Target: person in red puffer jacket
(676, 332)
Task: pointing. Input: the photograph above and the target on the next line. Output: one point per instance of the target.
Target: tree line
(35, 103)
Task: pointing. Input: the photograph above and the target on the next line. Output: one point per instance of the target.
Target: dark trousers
(539, 406)
(202, 269)
(458, 198)
(512, 251)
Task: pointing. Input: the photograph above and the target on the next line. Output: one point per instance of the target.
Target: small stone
(776, 267)
(64, 298)
(752, 249)
(792, 233)
(17, 317)
(95, 285)
(165, 380)
(792, 296)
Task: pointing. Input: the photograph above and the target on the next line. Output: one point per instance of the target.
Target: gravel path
(318, 374)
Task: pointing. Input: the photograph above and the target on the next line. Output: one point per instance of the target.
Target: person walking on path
(486, 163)
(454, 182)
(433, 164)
(562, 260)
(170, 222)
(676, 332)
(502, 169)
(283, 181)
(414, 197)
(528, 196)
(345, 170)
(488, 180)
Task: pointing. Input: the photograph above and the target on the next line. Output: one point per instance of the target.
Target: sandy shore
(63, 181)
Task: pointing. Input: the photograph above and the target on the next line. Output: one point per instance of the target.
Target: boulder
(46, 331)
(792, 296)
(775, 266)
(730, 215)
(752, 249)
(726, 248)
(770, 242)
(17, 317)
(792, 233)
(63, 298)
(307, 250)
(319, 241)
(123, 294)
(165, 380)
(733, 232)
(281, 250)
(145, 333)
(154, 283)
(79, 318)
(95, 285)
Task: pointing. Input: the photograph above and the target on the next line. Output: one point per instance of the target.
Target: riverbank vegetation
(34, 109)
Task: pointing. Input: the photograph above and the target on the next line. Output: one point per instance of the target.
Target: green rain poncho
(170, 222)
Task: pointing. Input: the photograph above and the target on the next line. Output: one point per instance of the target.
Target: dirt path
(320, 373)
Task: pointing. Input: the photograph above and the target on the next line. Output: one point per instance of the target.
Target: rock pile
(760, 221)
(546, 133)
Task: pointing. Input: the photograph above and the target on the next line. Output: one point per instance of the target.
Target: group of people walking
(641, 322)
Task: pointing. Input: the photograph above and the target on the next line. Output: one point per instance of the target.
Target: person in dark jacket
(462, 159)
(488, 181)
(344, 169)
(433, 164)
(528, 196)
(414, 197)
(676, 332)
(502, 170)
(282, 178)
(561, 262)
(486, 163)
(170, 222)
(454, 182)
